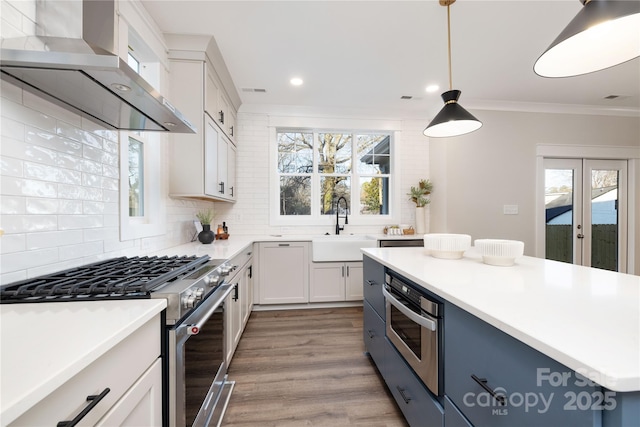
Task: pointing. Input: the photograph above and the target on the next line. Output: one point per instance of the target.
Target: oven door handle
(420, 320)
(220, 295)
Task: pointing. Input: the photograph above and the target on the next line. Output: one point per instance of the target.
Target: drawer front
(538, 390)
(373, 281)
(117, 370)
(374, 340)
(416, 403)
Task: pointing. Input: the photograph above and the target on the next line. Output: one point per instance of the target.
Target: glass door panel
(605, 214)
(562, 194)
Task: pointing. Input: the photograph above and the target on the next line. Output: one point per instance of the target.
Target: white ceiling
(363, 56)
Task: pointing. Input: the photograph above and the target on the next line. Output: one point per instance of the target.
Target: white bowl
(446, 246)
(499, 252)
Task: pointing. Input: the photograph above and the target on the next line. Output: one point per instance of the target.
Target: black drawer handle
(371, 282)
(483, 383)
(406, 398)
(371, 334)
(94, 399)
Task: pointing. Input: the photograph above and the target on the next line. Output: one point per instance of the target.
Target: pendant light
(452, 120)
(603, 34)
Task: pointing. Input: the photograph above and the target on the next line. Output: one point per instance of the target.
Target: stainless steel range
(195, 385)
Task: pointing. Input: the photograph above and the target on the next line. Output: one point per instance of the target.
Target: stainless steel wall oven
(414, 327)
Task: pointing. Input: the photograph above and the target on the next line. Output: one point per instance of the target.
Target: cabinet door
(223, 152)
(211, 158)
(284, 273)
(142, 403)
(231, 189)
(211, 94)
(232, 313)
(327, 282)
(354, 277)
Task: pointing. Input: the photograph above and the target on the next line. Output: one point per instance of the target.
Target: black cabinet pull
(371, 334)
(371, 282)
(483, 383)
(406, 398)
(221, 191)
(231, 191)
(235, 293)
(222, 116)
(231, 130)
(250, 271)
(94, 399)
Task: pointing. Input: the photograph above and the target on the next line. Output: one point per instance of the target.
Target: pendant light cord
(449, 44)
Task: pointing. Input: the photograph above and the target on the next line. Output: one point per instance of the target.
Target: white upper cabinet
(202, 165)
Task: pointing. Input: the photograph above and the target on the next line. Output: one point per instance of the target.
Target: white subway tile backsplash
(11, 167)
(53, 142)
(69, 207)
(80, 250)
(12, 205)
(19, 112)
(28, 223)
(99, 130)
(42, 206)
(76, 134)
(13, 243)
(27, 187)
(52, 239)
(74, 222)
(93, 208)
(77, 192)
(51, 173)
(10, 92)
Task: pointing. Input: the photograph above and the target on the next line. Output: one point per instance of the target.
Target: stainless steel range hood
(80, 69)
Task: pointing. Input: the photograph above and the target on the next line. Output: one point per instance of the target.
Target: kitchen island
(585, 319)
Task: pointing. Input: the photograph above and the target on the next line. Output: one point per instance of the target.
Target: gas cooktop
(117, 278)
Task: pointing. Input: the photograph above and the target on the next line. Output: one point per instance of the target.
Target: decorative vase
(420, 222)
(206, 236)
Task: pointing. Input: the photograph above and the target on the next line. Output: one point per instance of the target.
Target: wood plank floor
(307, 368)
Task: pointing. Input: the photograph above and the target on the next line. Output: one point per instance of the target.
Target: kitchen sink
(341, 247)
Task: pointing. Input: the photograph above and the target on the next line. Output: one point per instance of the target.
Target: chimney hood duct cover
(84, 73)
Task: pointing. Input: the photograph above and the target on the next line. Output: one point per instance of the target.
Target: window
(142, 212)
(316, 168)
(136, 178)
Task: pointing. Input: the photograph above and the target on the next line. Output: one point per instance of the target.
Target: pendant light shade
(452, 120)
(603, 34)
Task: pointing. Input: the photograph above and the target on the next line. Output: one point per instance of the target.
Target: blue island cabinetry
(491, 379)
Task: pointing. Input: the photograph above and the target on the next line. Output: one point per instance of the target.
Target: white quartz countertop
(44, 345)
(585, 318)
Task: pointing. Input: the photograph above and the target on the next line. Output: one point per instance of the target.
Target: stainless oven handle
(224, 290)
(420, 320)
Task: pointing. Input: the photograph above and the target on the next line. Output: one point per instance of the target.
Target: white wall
(496, 166)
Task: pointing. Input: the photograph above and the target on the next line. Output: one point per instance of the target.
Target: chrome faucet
(346, 219)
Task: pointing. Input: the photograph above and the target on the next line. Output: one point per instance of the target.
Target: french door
(586, 212)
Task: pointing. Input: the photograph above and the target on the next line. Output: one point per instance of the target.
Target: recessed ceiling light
(296, 81)
(432, 88)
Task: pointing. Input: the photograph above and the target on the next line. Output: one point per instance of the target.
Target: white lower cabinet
(124, 390)
(239, 303)
(283, 272)
(141, 405)
(335, 281)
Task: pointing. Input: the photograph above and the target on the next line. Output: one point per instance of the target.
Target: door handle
(420, 320)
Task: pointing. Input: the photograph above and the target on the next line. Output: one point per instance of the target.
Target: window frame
(316, 218)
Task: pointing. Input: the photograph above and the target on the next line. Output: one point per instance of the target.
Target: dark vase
(206, 236)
